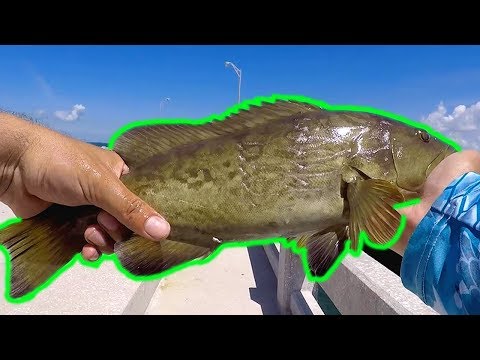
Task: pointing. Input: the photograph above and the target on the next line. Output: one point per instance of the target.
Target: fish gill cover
(292, 245)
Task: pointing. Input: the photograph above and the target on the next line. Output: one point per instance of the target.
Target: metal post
(239, 74)
(163, 102)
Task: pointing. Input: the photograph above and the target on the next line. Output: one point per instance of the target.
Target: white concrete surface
(82, 290)
(5, 212)
(239, 281)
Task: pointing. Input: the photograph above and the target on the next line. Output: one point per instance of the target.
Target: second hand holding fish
(447, 171)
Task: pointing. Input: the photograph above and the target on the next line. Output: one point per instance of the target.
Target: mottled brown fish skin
(279, 179)
(283, 169)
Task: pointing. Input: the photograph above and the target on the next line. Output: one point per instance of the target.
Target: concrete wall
(359, 286)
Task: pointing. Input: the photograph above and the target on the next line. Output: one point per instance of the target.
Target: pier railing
(359, 286)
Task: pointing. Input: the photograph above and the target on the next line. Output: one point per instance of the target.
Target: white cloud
(461, 125)
(71, 115)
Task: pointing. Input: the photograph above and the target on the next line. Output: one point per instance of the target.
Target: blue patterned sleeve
(441, 263)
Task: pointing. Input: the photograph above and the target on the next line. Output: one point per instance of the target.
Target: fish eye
(424, 136)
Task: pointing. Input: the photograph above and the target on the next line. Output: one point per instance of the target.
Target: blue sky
(115, 85)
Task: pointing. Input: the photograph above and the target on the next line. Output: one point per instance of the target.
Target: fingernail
(125, 170)
(108, 221)
(94, 257)
(157, 227)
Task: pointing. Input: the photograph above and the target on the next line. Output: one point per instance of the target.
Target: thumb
(131, 211)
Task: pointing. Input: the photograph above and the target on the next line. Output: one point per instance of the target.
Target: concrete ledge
(359, 286)
(272, 251)
(303, 303)
(290, 279)
(295, 292)
(364, 286)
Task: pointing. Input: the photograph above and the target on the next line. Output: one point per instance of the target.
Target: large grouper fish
(279, 169)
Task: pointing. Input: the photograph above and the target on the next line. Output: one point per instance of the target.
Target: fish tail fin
(41, 245)
(323, 248)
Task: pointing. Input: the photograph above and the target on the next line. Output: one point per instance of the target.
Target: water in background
(99, 144)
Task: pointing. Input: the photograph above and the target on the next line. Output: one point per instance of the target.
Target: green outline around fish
(292, 245)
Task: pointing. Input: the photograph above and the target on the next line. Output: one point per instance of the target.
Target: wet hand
(39, 167)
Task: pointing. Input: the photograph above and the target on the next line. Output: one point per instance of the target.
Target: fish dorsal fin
(139, 144)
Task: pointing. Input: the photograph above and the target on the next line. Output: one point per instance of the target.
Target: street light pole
(163, 102)
(239, 74)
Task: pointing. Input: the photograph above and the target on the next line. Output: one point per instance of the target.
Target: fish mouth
(440, 157)
(409, 194)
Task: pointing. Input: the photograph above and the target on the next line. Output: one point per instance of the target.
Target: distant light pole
(163, 102)
(239, 74)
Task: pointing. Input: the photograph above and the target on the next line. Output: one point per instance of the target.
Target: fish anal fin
(140, 256)
(323, 248)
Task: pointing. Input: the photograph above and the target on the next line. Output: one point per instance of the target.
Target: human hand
(39, 167)
(442, 175)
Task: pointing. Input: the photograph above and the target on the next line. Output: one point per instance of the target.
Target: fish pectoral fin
(371, 209)
(323, 248)
(40, 246)
(141, 256)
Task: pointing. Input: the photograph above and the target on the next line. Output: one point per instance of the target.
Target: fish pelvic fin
(140, 256)
(137, 145)
(323, 247)
(371, 209)
(38, 247)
